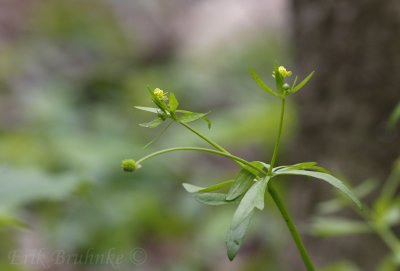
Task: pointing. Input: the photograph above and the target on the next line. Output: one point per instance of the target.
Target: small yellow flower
(285, 73)
(160, 94)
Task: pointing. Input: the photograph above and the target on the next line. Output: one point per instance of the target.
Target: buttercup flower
(160, 94)
(285, 73)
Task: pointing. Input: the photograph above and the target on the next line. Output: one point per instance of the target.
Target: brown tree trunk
(354, 46)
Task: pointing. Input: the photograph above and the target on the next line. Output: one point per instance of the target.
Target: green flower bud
(286, 87)
(130, 165)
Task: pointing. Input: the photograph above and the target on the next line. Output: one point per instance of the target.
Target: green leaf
(212, 198)
(336, 204)
(190, 116)
(149, 109)
(173, 102)
(302, 83)
(265, 165)
(325, 177)
(331, 227)
(294, 83)
(207, 120)
(203, 195)
(152, 124)
(196, 189)
(320, 169)
(303, 166)
(254, 198)
(236, 235)
(243, 181)
(261, 83)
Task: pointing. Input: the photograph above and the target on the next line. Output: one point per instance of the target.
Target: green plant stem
(220, 153)
(279, 203)
(211, 142)
(292, 227)
(278, 138)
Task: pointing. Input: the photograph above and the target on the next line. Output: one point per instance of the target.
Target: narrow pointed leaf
(207, 120)
(243, 181)
(212, 198)
(236, 235)
(294, 83)
(152, 124)
(205, 195)
(261, 83)
(325, 177)
(195, 189)
(173, 102)
(320, 169)
(304, 166)
(254, 198)
(337, 204)
(302, 83)
(265, 165)
(149, 109)
(190, 116)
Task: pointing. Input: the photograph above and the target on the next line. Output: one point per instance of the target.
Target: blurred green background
(71, 73)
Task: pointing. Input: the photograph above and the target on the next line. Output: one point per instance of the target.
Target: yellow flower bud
(285, 73)
(160, 94)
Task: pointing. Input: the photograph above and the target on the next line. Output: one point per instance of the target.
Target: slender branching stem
(210, 141)
(278, 138)
(279, 203)
(292, 227)
(220, 153)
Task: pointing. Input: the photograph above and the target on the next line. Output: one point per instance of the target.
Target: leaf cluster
(168, 109)
(378, 219)
(248, 189)
(283, 89)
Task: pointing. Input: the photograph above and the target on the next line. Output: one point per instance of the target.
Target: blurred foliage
(380, 219)
(69, 78)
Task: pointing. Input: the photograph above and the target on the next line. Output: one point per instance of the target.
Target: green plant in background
(247, 189)
(378, 218)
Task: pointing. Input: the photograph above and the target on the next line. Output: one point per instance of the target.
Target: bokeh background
(71, 72)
